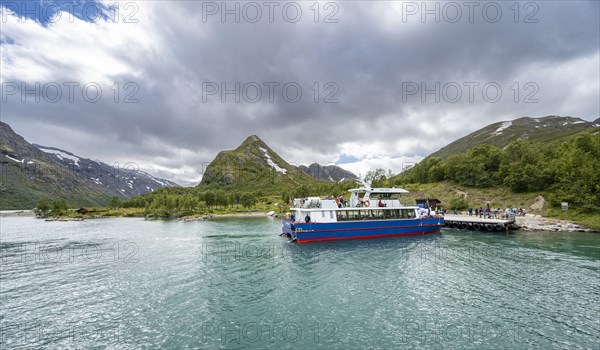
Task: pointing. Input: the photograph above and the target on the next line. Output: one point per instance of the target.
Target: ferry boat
(370, 213)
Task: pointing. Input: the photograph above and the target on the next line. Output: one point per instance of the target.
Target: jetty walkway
(476, 223)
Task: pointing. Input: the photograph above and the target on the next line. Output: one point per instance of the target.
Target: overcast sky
(382, 83)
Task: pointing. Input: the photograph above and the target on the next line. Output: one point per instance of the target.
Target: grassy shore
(499, 198)
(266, 205)
(496, 197)
(585, 219)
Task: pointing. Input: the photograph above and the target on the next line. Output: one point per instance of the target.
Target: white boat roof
(355, 208)
(378, 190)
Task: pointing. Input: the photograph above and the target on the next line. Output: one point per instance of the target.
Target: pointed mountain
(330, 173)
(29, 174)
(253, 165)
(546, 129)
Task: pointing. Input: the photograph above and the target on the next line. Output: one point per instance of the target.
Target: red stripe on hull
(367, 237)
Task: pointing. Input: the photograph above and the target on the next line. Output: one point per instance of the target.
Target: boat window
(331, 214)
(376, 214)
(385, 195)
(322, 214)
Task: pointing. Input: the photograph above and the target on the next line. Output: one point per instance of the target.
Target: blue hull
(303, 232)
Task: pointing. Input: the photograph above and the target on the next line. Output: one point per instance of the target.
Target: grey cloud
(365, 59)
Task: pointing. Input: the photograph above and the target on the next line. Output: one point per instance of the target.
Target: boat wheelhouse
(369, 213)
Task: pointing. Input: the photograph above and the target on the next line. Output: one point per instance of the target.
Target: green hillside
(546, 129)
(566, 169)
(250, 177)
(253, 166)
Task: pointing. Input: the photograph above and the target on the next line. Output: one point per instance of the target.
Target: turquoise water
(235, 284)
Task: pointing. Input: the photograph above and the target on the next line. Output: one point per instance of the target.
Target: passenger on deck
(307, 218)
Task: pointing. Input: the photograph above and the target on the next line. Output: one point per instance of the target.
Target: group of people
(340, 201)
(497, 213)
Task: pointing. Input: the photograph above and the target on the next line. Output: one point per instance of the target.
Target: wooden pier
(466, 222)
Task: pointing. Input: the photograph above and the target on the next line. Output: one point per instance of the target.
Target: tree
(375, 175)
(301, 192)
(458, 203)
(59, 206)
(576, 175)
(115, 202)
(222, 199)
(210, 198)
(42, 207)
(522, 166)
(248, 200)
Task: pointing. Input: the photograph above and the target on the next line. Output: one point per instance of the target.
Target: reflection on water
(131, 283)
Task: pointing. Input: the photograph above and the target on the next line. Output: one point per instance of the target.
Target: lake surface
(235, 284)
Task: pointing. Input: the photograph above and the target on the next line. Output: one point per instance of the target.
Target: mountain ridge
(500, 134)
(125, 181)
(331, 173)
(29, 173)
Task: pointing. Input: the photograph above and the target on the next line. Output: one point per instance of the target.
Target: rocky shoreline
(532, 222)
(222, 216)
(529, 222)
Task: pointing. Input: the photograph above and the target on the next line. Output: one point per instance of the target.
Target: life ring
(464, 225)
(476, 226)
(367, 203)
(489, 227)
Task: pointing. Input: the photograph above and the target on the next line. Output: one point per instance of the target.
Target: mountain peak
(251, 141)
(253, 138)
(252, 164)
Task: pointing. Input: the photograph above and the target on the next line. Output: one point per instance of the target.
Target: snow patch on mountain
(13, 159)
(272, 163)
(502, 127)
(61, 155)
